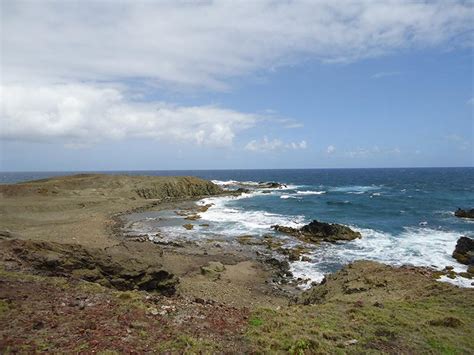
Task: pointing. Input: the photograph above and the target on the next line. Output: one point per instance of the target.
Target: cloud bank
(204, 43)
(267, 145)
(83, 114)
(55, 54)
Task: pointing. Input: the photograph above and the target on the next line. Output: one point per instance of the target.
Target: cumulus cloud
(54, 54)
(330, 149)
(82, 114)
(267, 145)
(361, 152)
(203, 43)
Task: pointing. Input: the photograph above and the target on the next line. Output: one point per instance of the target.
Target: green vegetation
(381, 316)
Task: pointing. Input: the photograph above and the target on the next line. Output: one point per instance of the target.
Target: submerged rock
(464, 213)
(464, 251)
(316, 232)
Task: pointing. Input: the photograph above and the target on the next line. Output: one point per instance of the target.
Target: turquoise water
(405, 216)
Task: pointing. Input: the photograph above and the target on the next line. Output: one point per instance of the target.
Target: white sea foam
(309, 192)
(458, 281)
(285, 196)
(236, 221)
(414, 246)
(224, 183)
(355, 188)
(302, 269)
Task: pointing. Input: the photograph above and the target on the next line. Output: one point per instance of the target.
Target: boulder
(316, 232)
(464, 213)
(213, 269)
(464, 251)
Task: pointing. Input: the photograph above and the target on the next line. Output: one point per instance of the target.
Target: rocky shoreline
(73, 282)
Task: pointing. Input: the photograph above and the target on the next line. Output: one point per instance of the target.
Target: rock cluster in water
(316, 232)
(464, 213)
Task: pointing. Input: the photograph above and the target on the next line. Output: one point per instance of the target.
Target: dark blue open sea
(405, 215)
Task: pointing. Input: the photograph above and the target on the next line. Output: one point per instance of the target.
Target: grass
(399, 326)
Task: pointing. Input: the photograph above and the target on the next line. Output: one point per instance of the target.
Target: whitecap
(284, 197)
(310, 192)
(355, 188)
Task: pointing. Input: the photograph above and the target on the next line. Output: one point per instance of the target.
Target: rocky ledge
(112, 268)
(464, 213)
(316, 232)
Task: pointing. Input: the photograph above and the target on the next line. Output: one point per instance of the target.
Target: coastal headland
(72, 281)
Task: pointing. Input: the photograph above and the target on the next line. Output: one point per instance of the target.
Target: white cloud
(55, 53)
(372, 151)
(266, 145)
(85, 114)
(330, 149)
(461, 142)
(204, 43)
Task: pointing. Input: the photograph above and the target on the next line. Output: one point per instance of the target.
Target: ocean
(405, 216)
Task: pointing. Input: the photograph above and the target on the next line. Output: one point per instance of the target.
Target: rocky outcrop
(270, 185)
(371, 282)
(464, 213)
(182, 187)
(464, 251)
(114, 269)
(121, 186)
(316, 232)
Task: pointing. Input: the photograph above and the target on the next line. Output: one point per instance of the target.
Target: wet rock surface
(316, 232)
(464, 251)
(467, 213)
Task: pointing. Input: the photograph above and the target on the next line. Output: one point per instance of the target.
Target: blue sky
(230, 86)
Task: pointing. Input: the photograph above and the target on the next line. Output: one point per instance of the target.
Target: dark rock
(464, 251)
(242, 190)
(316, 232)
(282, 268)
(464, 213)
(110, 269)
(270, 185)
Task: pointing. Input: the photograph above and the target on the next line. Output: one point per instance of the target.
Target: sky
(158, 85)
